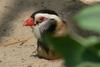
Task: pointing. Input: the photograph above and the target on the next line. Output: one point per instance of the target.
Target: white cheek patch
(48, 16)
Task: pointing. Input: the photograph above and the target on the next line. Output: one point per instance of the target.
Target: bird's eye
(42, 18)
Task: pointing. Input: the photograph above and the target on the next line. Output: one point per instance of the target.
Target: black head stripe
(44, 11)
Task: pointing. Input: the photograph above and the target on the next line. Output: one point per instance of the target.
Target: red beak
(29, 22)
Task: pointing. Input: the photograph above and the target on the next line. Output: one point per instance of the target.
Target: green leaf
(87, 42)
(89, 18)
(73, 53)
(91, 56)
(67, 47)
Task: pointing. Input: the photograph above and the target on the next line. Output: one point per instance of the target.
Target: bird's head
(45, 19)
(41, 16)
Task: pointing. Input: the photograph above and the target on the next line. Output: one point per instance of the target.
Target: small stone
(29, 66)
(0, 61)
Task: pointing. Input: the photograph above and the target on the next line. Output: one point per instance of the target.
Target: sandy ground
(17, 43)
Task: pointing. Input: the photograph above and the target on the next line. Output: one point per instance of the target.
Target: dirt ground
(17, 43)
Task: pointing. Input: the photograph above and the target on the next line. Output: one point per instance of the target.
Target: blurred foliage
(89, 18)
(68, 48)
(74, 53)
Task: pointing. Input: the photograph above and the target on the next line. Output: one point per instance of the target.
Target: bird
(46, 20)
(43, 21)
